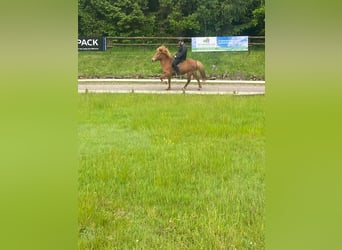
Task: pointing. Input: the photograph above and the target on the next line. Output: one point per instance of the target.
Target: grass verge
(171, 172)
(135, 62)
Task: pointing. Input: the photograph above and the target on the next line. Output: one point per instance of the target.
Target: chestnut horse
(189, 67)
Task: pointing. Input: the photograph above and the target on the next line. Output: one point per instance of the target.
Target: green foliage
(171, 17)
(114, 18)
(183, 26)
(258, 21)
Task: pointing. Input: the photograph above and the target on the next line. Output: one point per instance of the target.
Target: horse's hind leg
(198, 81)
(188, 81)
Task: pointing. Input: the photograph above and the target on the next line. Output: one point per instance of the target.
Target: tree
(181, 24)
(208, 16)
(258, 20)
(114, 18)
(171, 17)
(235, 16)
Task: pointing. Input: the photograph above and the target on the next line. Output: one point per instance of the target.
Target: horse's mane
(164, 50)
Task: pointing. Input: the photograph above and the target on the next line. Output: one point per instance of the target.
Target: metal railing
(113, 41)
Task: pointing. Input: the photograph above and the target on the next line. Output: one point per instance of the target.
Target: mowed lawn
(171, 171)
(135, 62)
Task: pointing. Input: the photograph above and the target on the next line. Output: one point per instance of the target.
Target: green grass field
(171, 171)
(136, 62)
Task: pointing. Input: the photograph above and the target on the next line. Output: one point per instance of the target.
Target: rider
(180, 56)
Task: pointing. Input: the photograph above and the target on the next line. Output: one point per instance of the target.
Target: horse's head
(161, 53)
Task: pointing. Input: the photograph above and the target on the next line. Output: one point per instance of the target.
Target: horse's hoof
(168, 89)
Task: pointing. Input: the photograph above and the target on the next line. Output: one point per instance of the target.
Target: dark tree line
(171, 17)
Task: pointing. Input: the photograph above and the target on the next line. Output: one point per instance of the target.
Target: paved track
(156, 87)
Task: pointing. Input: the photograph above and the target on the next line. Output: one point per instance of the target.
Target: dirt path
(149, 86)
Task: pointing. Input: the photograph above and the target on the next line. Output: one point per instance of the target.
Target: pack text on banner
(219, 43)
(94, 44)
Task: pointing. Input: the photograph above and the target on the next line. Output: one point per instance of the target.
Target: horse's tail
(200, 67)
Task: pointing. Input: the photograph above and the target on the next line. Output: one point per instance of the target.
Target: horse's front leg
(169, 83)
(162, 79)
(168, 76)
(164, 75)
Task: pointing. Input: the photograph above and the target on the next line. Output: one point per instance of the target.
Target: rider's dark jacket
(181, 54)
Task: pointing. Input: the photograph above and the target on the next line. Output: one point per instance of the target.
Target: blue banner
(219, 43)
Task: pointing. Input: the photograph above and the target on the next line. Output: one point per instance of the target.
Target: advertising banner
(94, 44)
(219, 43)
